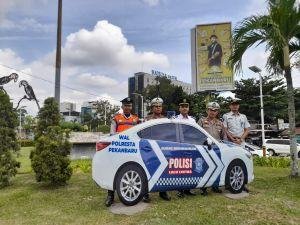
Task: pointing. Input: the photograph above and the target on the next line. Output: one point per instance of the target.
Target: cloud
(151, 2)
(76, 86)
(106, 46)
(256, 7)
(96, 80)
(9, 57)
(29, 24)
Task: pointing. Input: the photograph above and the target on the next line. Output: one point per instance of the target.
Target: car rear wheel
(271, 152)
(236, 177)
(131, 184)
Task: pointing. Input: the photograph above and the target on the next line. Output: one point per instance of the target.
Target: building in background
(69, 113)
(142, 80)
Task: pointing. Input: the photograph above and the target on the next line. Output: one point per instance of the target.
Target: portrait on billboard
(213, 48)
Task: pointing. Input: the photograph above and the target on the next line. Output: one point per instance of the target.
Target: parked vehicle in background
(280, 147)
(255, 150)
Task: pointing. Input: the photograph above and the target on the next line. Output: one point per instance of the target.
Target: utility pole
(58, 54)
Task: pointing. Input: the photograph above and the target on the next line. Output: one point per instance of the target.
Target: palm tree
(279, 30)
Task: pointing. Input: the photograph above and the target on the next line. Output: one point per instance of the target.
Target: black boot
(110, 198)
(164, 195)
(204, 191)
(180, 194)
(188, 192)
(216, 190)
(146, 198)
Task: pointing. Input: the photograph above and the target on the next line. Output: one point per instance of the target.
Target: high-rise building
(142, 80)
(67, 107)
(68, 112)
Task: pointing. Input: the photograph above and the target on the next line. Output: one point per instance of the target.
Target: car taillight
(102, 145)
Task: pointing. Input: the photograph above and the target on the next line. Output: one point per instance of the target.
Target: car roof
(160, 121)
(149, 123)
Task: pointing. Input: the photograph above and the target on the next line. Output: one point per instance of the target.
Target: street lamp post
(142, 98)
(20, 120)
(255, 69)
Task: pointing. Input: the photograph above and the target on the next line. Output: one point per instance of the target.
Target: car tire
(236, 177)
(131, 184)
(271, 152)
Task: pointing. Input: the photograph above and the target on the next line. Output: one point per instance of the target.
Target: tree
(29, 124)
(72, 126)
(50, 158)
(171, 94)
(8, 140)
(105, 111)
(280, 31)
(275, 99)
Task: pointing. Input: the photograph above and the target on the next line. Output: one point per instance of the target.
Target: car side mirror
(209, 143)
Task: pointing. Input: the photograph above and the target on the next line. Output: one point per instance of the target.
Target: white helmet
(213, 106)
(156, 101)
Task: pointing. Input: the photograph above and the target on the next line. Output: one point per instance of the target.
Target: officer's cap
(235, 101)
(213, 106)
(156, 101)
(126, 101)
(184, 103)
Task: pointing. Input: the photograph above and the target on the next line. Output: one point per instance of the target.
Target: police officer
(121, 122)
(214, 127)
(156, 113)
(156, 109)
(236, 125)
(184, 108)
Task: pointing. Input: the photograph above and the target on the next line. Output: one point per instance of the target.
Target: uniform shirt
(189, 118)
(213, 127)
(114, 124)
(235, 123)
(154, 116)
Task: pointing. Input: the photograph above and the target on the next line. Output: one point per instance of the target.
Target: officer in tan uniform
(156, 113)
(156, 109)
(211, 123)
(215, 128)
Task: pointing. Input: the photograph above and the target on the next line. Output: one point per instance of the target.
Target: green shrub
(104, 129)
(71, 126)
(26, 143)
(50, 158)
(8, 140)
(83, 165)
(277, 162)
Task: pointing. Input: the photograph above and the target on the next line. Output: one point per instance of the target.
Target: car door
(285, 146)
(168, 161)
(207, 164)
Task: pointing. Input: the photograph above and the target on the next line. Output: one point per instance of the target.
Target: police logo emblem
(199, 164)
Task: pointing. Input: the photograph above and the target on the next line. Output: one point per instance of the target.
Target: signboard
(161, 74)
(211, 48)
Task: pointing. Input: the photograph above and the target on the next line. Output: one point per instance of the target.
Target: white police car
(165, 155)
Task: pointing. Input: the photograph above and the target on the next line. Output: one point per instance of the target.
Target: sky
(105, 42)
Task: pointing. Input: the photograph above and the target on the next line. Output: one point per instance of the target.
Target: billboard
(211, 48)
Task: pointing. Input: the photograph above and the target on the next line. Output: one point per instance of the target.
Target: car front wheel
(236, 177)
(131, 184)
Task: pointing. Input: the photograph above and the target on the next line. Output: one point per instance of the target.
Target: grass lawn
(274, 199)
